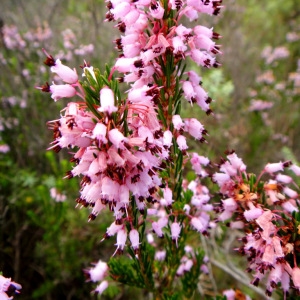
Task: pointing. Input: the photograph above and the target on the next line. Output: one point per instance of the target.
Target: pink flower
(181, 142)
(177, 122)
(107, 101)
(202, 58)
(167, 138)
(290, 193)
(112, 229)
(194, 78)
(157, 11)
(159, 225)
(65, 73)
(264, 219)
(160, 255)
(274, 167)
(236, 162)
(253, 213)
(296, 277)
(98, 272)
(188, 90)
(124, 64)
(167, 200)
(101, 287)
(134, 238)
(4, 148)
(6, 285)
(230, 294)
(178, 45)
(175, 232)
(188, 265)
(121, 10)
(99, 132)
(121, 240)
(284, 178)
(62, 91)
(117, 138)
(194, 128)
(198, 224)
(295, 169)
(58, 197)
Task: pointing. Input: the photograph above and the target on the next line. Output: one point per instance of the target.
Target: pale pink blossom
(113, 229)
(120, 10)
(230, 294)
(178, 45)
(295, 169)
(290, 192)
(117, 138)
(258, 105)
(289, 206)
(101, 287)
(150, 238)
(274, 167)
(236, 162)
(194, 128)
(177, 122)
(160, 255)
(181, 142)
(182, 31)
(167, 138)
(201, 58)
(253, 212)
(4, 148)
(99, 132)
(56, 195)
(194, 78)
(188, 90)
(121, 240)
(157, 12)
(296, 277)
(64, 72)
(107, 101)
(7, 285)
(188, 265)
(62, 91)
(175, 232)
(167, 200)
(124, 64)
(190, 13)
(98, 272)
(134, 238)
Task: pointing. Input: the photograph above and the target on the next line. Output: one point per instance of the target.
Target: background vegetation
(45, 244)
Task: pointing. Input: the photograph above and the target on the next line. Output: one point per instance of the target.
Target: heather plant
(130, 145)
(130, 132)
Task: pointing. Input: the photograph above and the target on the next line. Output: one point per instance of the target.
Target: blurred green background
(45, 243)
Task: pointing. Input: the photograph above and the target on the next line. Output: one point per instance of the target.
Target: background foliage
(45, 244)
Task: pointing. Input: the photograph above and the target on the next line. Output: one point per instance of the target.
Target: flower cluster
(125, 145)
(267, 210)
(153, 40)
(131, 150)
